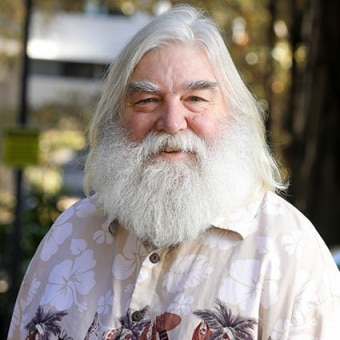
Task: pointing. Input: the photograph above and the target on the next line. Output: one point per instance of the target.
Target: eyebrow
(149, 87)
(142, 86)
(201, 85)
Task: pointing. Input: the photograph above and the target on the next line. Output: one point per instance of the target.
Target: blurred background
(53, 57)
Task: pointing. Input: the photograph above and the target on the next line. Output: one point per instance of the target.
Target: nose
(172, 118)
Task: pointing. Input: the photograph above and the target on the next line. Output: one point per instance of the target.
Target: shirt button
(137, 316)
(154, 258)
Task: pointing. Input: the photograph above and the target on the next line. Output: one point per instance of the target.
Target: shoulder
(79, 229)
(289, 227)
(81, 220)
(297, 240)
(279, 213)
(84, 211)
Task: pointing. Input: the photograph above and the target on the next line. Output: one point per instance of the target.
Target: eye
(146, 101)
(196, 99)
(146, 104)
(196, 103)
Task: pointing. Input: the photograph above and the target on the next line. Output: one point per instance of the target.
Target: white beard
(170, 202)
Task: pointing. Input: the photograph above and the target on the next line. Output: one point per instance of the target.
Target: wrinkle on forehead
(174, 68)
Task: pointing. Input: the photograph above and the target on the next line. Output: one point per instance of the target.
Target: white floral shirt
(264, 274)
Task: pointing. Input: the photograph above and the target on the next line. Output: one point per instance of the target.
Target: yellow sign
(21, 147)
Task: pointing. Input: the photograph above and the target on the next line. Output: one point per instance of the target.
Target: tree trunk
(315, 120)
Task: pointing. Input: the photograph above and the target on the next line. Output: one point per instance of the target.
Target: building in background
(69, 52)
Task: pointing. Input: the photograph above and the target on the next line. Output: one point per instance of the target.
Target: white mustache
(187, 141)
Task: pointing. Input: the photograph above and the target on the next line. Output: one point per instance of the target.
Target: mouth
(169, 149)
(172, 148)
(174, 153)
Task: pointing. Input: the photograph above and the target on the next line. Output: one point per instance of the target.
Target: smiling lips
(171, 153)
(171, 150)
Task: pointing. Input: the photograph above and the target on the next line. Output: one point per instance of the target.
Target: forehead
(174, 64)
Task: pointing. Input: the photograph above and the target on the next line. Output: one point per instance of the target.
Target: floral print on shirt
(85, 283)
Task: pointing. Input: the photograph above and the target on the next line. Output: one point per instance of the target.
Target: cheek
(138, 126)
(206, 127)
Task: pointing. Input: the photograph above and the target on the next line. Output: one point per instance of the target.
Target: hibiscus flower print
(105, 303)
(293, 243)
(69, 279)
(187, 272)
(244, 284)
(273, 206)
(281, 330)
(103, 235)
(85, 208)
(305, 299)
(56, 237)
(265, 245)
(182, 304)
(129, 261)
(218, 240)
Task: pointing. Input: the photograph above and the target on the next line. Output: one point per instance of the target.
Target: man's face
(174, 89)
(177, 160)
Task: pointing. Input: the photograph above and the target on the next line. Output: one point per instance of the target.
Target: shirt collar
(242, 221)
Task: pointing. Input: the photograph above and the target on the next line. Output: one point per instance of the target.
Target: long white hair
(190, 26)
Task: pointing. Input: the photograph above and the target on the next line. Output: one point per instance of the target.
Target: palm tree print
(222, 324)
(44, 324)
(93, 331)
(134, 328)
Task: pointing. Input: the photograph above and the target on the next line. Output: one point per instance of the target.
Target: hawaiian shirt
(264, 273)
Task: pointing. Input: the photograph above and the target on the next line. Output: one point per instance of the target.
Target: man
(182, 235)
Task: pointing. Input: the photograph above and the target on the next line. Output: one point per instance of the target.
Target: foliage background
(287, 51)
